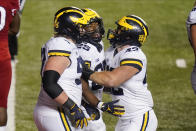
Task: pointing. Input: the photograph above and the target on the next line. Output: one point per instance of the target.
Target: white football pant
(145, 122)
(51, 119)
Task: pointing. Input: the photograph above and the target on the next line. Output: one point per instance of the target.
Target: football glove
(109, 107)
(86, 72)
(92, 111)
(76, 115)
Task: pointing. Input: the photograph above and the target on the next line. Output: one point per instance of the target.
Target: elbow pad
(49, 81)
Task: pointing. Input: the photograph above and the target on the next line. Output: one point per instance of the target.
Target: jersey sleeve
(132, 58)
(59, 47)
(192, 17)
(14, 6)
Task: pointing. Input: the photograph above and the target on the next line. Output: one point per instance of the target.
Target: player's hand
(109, 107)
(86, 72)
(77, 116)
(93, 112)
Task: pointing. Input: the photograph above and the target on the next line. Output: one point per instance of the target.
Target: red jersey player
(9, 23)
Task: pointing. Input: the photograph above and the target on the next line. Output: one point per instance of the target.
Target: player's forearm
(52, 88)
(104, 78)
(62, 98)
(15, 25)
(88, 95)
(91, 98)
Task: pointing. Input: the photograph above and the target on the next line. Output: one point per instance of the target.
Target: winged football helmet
(95, 29)
(131, 30)
(70, 21)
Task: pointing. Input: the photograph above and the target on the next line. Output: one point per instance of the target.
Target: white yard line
(11, 102)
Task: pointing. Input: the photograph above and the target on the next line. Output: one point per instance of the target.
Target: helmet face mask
(94, 30)
(131, 30)
(112, 37)
(92, 33)
(70, 21)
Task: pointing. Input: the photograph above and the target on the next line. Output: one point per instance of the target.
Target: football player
(58, 105)
(9, 24)
(92, 52)
(191, 31)
(61, 90)
(126, 64)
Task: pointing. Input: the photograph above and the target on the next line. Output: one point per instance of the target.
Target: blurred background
(174, 100)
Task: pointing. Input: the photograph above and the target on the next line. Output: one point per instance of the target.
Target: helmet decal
(95, 28)
(91, 14)
(122, 22)
(131, 30)
(81, 20)
(70, 21)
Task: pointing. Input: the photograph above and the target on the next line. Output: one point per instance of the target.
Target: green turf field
(175, 103)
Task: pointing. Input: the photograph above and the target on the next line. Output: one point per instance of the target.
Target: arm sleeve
(15, 6)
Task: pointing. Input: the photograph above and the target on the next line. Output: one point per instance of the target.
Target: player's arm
(193, 37)
(88, 95)
(15, 25)
(109, 107)
(54, 67)
(111, 78)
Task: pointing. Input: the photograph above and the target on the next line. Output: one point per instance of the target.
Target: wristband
(69, 104)
(99, 106)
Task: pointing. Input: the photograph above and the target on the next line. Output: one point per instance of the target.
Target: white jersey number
(2, 17)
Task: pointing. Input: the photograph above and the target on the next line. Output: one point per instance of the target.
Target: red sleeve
(15, 6)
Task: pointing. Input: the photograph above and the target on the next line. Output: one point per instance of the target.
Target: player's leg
(153, 122)
(5, 82)
(3, 118)
(51, 119)
(124, 125)
(193, 78)
(145, 122)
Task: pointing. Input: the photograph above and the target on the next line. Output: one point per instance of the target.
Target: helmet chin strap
(96, 44)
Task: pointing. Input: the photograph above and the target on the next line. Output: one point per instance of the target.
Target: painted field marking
(11, 101)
